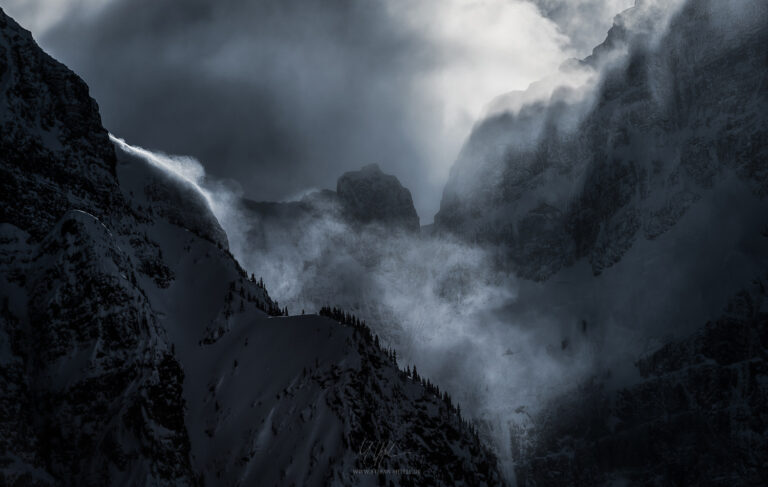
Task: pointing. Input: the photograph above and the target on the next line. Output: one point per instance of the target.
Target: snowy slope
(282, 400)
(135, 350)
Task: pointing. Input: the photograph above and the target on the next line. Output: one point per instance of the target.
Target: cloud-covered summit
(283, 96)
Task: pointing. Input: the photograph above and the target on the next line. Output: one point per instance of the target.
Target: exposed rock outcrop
(367, 197)
(370, 196)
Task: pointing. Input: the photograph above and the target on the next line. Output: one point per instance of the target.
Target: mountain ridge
(134, 348)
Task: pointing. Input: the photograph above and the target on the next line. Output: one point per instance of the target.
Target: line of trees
(272, 308)
(408, 373)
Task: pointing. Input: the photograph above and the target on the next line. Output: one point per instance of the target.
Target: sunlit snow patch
(187, 168)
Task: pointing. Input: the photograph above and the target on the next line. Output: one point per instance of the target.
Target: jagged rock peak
(369, 195)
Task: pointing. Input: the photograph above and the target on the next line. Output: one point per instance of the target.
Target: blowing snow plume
(570, 294)
(438, 301)
(221, 198)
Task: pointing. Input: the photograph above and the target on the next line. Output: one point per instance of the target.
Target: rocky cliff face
(91, 386)
(369, 195)
(635, 208)
(134, 349)
(698, 417)
(55, 152)
(675, 112)
(363, 198)
(97, 389)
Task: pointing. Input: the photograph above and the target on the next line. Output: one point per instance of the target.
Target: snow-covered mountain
(634, 208)
(631, 201)
(675, 111)
(135, 350)
(636, 201)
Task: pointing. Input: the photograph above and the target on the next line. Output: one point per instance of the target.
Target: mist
(590, 291)
(272, 99)
(505, 347)
(282, 97)
(446, 306)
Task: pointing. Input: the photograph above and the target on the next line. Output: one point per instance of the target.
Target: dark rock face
(71, 299)
(369, 195)
(568, 180)
(125, 409)
(55, 153)
(364, 197)
(698, 417)
(617, 179)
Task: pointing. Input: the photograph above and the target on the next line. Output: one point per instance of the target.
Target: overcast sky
(283, 96)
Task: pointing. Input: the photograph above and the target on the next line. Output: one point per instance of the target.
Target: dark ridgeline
(421, 449)
(68, 286)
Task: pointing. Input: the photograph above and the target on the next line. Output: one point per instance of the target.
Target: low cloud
(441, 303)
(286, 95)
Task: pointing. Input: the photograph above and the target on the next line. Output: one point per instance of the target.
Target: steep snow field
(268, 398)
